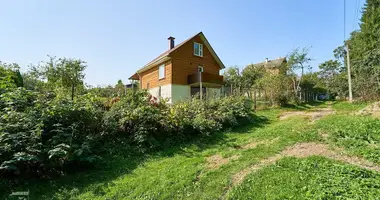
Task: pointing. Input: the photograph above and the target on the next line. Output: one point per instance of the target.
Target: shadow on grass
(257, 122)
(122, 162)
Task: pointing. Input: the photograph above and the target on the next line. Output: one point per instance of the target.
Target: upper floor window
(161, 71)
(200, 68)
(198, 49)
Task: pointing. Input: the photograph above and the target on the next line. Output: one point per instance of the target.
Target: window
(161, 71)
(159, 91)
(147, 86)
(198, 49)
(200, 68)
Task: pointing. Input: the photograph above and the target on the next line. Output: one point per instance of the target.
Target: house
(275, 66)
(180, 72)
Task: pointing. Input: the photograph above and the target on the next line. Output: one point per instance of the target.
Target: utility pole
(349, 74)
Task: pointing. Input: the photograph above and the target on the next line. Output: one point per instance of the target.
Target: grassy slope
(181, 173)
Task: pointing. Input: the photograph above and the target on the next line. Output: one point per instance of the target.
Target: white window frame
(161, 76)
(200, 49)
(200, 68)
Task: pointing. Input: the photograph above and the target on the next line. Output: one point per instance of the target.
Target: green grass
(181, 172)
(360, 135)
(309, 178)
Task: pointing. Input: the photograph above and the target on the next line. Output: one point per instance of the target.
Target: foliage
(364, 57)
(250, 76)
(298, 59)
(10, 76)
(62, 73)
(138, 117)
(276, 87)
(312, 86)
(146, 120)
(119, 88)
(334, 77)
(45, 137)
(181, 171)
(233, 79)
(205, 117)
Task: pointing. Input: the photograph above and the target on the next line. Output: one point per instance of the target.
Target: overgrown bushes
(276, 87)
(43, 135)
(145, 120)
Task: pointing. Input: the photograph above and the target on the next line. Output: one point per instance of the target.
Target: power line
(348, 54)
(344, 22)
(355, 14)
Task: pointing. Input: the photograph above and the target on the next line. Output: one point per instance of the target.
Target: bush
(39, 138)
(44, 135)
(204, 117)
(138, 117)
(276, 87)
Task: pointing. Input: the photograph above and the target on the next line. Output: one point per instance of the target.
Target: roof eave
(151, 65)
(212, 51)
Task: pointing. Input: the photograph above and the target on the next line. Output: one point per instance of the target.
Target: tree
(250, 75)
(119, 88)
(275, 87)
(10, 76)
(298, 60)
(312, 85)
(232, 77)
(64, 73)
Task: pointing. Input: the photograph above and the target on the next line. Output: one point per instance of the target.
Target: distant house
(276, 66)
(181, 71)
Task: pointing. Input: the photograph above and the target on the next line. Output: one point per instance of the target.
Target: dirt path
(314, 115)
(303, 150)
(215, 161)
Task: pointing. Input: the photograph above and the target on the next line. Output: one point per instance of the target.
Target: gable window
(161, 71)
(200, 68)
(198, 49)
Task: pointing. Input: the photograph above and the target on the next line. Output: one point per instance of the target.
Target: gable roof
(272, 63)
(166, 55)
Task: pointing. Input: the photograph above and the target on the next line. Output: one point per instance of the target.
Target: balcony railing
(205, 78)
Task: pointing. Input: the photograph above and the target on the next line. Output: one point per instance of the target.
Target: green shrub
(138, 117)
(203, 117)
(39, 138)
(48, 134)
(276, 87)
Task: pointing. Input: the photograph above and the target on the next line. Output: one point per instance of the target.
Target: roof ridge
(167, 52)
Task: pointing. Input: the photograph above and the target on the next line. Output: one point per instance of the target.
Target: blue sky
(116, 38)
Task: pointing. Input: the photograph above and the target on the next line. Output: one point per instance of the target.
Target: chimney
(266, 60)
(171, 42)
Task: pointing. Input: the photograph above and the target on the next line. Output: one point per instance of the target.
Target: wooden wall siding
(185, 62)
(151, 76)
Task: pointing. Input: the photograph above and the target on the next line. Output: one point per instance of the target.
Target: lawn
(247, 162)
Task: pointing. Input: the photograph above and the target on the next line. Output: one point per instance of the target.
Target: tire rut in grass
(303, 150)
(314, 115)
